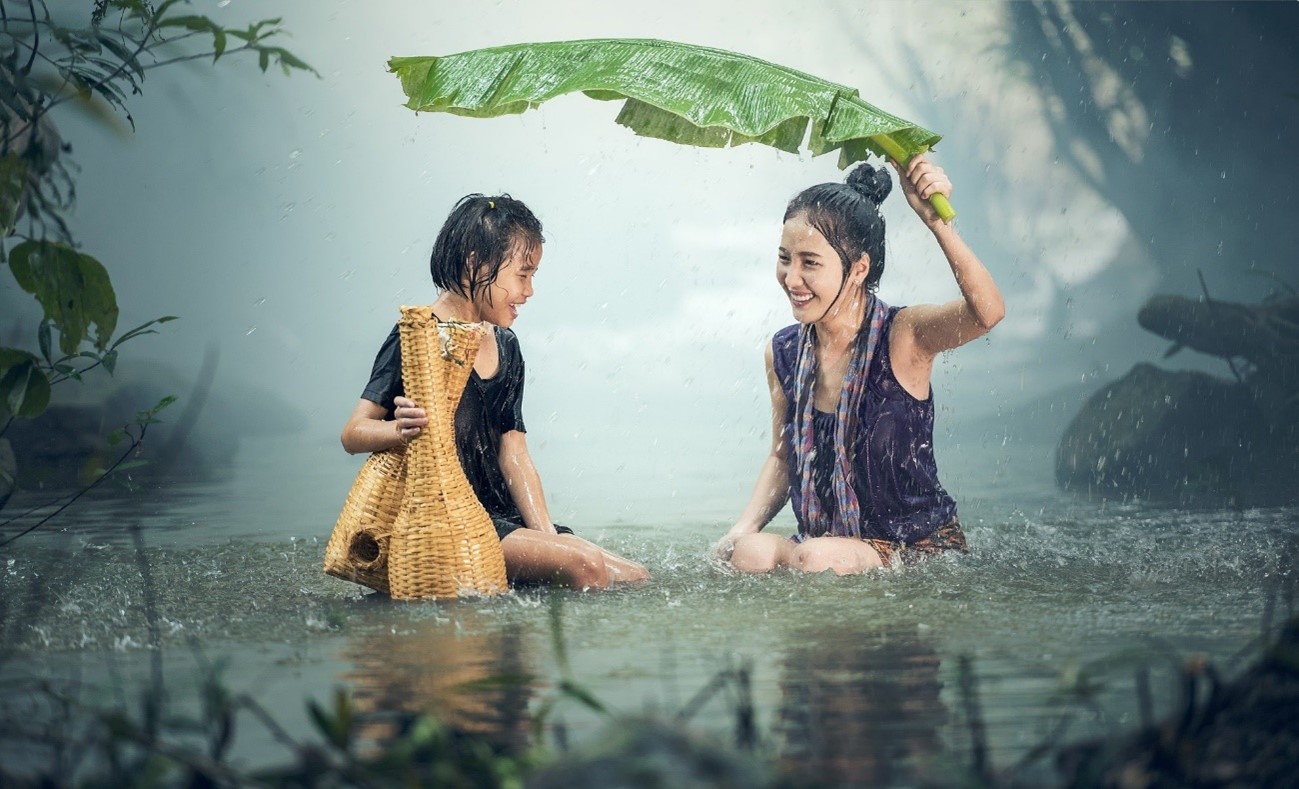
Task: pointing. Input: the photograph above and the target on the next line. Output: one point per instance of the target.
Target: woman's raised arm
(935, 328)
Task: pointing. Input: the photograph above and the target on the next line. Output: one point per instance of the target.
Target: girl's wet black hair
(848, 215)
(479, 235)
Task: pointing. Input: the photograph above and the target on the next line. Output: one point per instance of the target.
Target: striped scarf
(846, 521)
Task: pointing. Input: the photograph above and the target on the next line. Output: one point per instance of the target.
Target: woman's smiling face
(808, 269)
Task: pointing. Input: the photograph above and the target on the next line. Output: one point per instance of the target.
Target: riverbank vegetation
(93, 59)
(1225, 725)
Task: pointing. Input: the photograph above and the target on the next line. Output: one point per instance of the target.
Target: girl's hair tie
(491, 204)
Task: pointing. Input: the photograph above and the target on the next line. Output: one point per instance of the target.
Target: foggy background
(285, 220)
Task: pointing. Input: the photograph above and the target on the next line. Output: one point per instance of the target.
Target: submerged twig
(974, 717)
(143, 420)
(156, 695)
(1145, 705)
(701, 697)
(746, 730)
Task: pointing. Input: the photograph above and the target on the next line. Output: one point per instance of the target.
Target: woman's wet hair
(849, 217)
(477, 238)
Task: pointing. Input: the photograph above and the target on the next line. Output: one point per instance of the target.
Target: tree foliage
(95, 58)
(1181, 116)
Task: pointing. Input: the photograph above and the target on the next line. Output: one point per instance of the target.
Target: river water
(1059, 605)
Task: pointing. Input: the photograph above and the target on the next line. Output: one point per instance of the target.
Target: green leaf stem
(677, 92)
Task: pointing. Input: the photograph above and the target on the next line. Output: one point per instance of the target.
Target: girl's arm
(524, 482)
(772, 488)
(934, 328)
(367, 430)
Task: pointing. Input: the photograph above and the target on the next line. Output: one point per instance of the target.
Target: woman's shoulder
(785, 338)
(789, 331)
(884, 377)
(784, 343)
(784, 350)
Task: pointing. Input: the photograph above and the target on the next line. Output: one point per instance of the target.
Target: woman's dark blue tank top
(896, 476)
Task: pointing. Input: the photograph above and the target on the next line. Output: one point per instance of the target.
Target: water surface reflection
(851, 677)
(472, 677)
(860, 705)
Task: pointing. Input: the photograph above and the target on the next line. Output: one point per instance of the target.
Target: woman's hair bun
(873, 183)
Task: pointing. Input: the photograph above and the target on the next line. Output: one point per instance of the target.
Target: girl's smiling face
(808, 270)
(500, 301)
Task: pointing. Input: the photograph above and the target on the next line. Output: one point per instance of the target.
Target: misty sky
(285, 219)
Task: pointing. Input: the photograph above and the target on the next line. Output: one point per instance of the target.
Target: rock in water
(8, 471)
(1176, 436)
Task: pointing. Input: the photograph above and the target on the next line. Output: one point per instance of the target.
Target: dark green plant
(128, 459)
(144, 741)
(567, 689)
(94, 59)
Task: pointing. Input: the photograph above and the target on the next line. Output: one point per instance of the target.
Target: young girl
(852, 411)
(483, 265)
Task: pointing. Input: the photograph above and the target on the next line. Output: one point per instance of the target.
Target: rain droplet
(250, 331)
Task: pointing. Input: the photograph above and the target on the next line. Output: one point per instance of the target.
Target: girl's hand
(921, 179)
(409, 418)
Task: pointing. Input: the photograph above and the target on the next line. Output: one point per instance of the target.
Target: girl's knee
(587, 570)
(628, 572)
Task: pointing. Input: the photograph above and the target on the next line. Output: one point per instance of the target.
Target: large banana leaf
(677, 92)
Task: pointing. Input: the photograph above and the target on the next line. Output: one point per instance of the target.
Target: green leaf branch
(99, 66)
(133, 433)
(47, 61)
(26, 380)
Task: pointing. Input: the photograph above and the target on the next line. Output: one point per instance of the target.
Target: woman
(852, 410)
(483, 263)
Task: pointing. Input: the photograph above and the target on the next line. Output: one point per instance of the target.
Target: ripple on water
(1044, 598)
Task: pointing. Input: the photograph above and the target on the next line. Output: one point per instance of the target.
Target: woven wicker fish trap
(358, 547)
(447, 544)
(443, 543)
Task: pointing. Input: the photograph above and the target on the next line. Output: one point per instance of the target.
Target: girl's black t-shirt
(488, 408)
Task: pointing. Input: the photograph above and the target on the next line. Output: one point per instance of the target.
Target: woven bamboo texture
(358, 547)
(443, 543)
